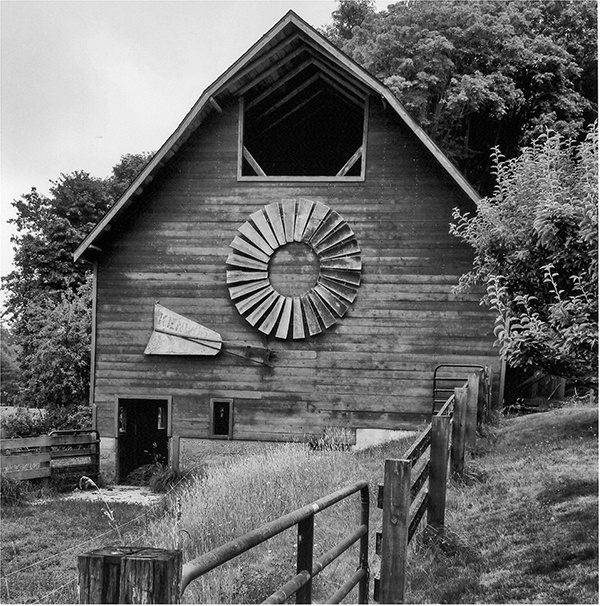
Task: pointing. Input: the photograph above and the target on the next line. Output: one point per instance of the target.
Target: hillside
(523, 528)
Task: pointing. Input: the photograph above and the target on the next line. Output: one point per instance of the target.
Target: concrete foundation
(373, 437)
(108, 459)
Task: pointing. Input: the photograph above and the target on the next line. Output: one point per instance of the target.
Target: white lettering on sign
(176, 335)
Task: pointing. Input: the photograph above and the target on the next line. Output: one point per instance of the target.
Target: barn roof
(291, 51)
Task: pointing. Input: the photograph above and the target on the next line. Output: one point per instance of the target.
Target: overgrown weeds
(41, 542)
(245, 493)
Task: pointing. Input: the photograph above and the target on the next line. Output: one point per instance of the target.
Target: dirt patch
(118, 494)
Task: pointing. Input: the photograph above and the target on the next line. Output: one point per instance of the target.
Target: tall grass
(248, 492)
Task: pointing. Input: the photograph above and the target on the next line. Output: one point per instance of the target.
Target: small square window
(221, 418)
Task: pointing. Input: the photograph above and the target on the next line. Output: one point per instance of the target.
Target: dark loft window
(309, 126)
(221, 418)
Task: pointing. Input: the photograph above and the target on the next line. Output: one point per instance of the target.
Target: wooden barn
(282, 266)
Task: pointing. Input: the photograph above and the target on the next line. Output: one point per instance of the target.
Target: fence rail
(415, 485)
(98, 569)
(68, 453)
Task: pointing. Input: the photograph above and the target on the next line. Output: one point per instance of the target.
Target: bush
(160, 478)
(165, 478)
(13, 492)
(536, 247)
(25, 423)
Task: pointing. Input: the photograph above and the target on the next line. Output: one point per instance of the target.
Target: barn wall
(374, 368)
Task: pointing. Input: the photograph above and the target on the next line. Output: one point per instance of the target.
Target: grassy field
(522, 527)
(41, 541)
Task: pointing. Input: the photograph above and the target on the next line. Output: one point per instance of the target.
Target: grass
(247, 492)
(524, 524)
(41, 541)
(521, 528)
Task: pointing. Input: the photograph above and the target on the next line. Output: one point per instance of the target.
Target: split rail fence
(413, 486)
(65, 454)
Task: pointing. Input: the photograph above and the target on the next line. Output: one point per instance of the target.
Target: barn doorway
(143, 433)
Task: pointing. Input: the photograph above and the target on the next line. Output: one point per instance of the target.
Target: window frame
(211, 429)
(292, 178)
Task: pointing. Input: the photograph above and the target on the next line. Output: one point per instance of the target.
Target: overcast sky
(83, 83)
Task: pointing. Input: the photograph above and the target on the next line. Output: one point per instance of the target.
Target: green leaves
(49, 295)
(536, 247)
(481, 74)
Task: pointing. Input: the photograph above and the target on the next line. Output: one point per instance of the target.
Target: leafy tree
(348, 15)
(8, 365)
(56, 368)
(536, 246)
(482, 73)
(49, 298)
(126, 171)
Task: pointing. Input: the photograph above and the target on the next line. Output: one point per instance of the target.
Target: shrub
(13, 492)
(165, 478)
(25, 423)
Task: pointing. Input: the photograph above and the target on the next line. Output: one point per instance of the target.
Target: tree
(8, 365)
(124, 173)
(49, 298)
(480, 74)
(536, 247)
(55, 373)
(348, 15)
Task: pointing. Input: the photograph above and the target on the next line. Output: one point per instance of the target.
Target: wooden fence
(416, 484)
(413, 486)
(65, 454)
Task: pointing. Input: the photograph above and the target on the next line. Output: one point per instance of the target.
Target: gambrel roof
(292, 64)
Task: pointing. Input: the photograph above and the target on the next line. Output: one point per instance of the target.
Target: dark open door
(142, 434)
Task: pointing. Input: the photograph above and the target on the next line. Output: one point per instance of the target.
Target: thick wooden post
(47, 463)
(151, 576)
(459, 425)
(100, 574)
(130, 575)
(304, 560)
(394, 539)
(472, 404)
(438, 470)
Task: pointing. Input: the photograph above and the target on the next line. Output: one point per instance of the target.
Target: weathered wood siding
(374, 368)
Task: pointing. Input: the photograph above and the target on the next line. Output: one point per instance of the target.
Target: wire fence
(8, 579)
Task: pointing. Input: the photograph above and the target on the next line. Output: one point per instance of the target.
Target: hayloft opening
(309, 126)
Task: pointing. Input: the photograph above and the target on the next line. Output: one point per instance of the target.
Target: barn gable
(290, 76)
(282, 265)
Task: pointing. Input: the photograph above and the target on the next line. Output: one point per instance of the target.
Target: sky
(84, 82)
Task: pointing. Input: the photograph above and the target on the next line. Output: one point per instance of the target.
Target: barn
(282, 266)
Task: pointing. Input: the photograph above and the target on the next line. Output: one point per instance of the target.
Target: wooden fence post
(457, 455)
(394, 540)
(130, 575)
(483, 406)
(472, 405)
(438, 470)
